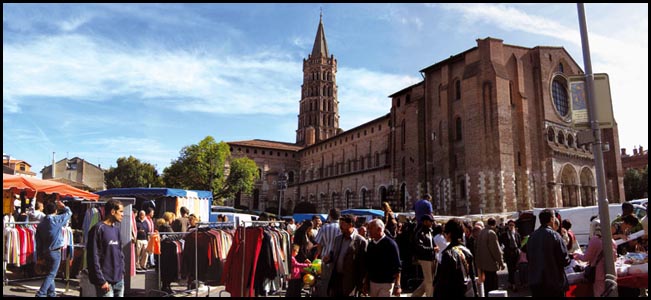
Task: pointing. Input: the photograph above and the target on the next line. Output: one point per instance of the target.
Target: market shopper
(383, 265)
(510, 241)
(49, 240)
(141, 241)
(182, 223)
(547, 258)
(105, 257)
(489, 256)
(425, 252)
(595, 256)
(456, 270)
(348, 260)
(325, 241)
(295, 279)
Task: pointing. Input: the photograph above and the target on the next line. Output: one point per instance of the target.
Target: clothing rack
(253, 223)
(159, 260)
(4, 274)
(196, 268)
(4, 262)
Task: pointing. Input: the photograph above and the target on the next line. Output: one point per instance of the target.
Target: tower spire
(320, 48)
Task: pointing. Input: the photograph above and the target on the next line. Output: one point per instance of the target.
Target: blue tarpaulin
(363, 212)
(155, 192)
(302, 217)
(165, 199)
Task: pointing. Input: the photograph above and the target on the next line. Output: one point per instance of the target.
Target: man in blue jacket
(104, 253)
(49, 240)
(547, 256)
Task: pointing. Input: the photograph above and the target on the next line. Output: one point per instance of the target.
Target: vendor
(629, 225)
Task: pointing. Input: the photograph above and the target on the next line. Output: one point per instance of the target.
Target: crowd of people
(456, 259)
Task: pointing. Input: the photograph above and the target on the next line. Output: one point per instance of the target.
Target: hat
(427, 217)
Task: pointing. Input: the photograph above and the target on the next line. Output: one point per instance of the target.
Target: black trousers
(294, 288)
(546, 292)
(490, 282)
(512, 267)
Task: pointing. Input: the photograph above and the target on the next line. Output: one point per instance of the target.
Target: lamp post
(597, 149)
(282, 186)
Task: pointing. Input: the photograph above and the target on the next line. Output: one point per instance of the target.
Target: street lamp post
(597, 149)
(282, 186)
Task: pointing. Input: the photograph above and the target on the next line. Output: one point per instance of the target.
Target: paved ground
(18, 286)
(28, 288)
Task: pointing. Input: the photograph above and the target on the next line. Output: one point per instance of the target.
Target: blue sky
(102, 81)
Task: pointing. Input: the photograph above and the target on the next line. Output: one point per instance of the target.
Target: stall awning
(363, 212)
(155, 192)
(33, 185)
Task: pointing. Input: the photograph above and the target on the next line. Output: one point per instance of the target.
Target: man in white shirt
(439, 240)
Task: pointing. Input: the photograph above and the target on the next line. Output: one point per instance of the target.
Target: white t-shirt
(440, 241)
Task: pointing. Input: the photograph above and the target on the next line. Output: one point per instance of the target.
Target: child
(295, 279)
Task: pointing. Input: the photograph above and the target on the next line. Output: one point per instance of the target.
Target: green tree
(131, 172)
(635, 183)
(203, 167)
(242, 176)
(644, 184)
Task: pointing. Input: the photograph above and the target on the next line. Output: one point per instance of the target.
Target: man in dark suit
(348, 259)
(510, 240)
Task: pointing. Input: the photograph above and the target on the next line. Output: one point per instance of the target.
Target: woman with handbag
(594, 255)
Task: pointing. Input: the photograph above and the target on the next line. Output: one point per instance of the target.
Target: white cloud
(145, 149)
(74, 23)
(80, 68)
(364, 97)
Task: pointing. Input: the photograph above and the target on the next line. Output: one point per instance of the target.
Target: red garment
(22, 241)
(234, 278)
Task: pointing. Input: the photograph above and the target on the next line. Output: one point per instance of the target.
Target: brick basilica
(486, 131)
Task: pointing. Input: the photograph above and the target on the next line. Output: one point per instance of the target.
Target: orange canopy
(35, 185)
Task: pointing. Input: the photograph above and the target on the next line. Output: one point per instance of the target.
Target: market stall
(632, 272)
(166, 199)
(26, 190)
(14, 185)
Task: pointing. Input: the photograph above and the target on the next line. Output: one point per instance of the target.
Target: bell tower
(318, 105)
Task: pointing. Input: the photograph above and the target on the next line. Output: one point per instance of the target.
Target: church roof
(267, 144)
(320, 46)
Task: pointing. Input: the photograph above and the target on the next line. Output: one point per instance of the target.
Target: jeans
(115, 290)
(48, 288)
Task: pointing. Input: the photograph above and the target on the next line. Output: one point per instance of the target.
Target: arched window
(570, 141)
(457, 90)
(560, 138)
(361, 162)
(325, 91)
(459, 135)
(560, 68)
(560, 98)
(364, 195)
(550, 134)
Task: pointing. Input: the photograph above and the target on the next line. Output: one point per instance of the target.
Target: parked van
(580, 217)
(233, 215)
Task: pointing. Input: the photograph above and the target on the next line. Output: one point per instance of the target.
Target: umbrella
(34, 185)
